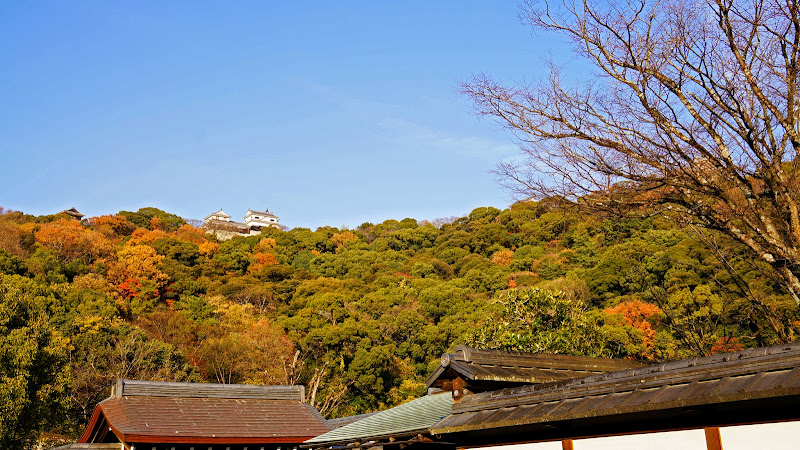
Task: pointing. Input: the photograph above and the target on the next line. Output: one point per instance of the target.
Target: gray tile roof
(407, 419)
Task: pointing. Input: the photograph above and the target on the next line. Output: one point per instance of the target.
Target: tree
(71, 241)
(34, 373)
(694, 113)
(536, 320)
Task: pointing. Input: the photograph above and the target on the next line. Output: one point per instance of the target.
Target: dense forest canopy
(358, 316)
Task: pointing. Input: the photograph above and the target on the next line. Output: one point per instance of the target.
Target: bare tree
(692, 111)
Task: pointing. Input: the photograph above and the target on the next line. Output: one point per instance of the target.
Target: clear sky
(327, 113)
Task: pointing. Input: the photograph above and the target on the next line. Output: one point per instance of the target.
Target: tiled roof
(72, 212)
(262, 213)
(751, 386)
(219, 213)
(521, 368)
(205, 414)
(342, 421)
(408, 419)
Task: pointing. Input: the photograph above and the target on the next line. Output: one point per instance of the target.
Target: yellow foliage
(138, 262)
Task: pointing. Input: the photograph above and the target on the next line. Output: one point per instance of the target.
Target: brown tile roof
(751, 386)
(204, 414)
(495, 367)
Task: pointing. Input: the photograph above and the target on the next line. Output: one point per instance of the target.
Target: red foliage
(726, 344)
(404, 275)
(130, 288)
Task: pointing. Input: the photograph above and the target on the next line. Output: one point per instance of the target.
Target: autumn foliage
(357, 315)
(643, 317)
(503, 257)
(70, 240)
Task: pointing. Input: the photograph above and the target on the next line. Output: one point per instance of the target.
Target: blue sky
(327, 113)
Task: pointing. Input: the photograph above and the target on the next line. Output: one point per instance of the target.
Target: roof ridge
(141, 388)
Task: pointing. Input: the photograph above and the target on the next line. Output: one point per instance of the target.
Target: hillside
(356, 315)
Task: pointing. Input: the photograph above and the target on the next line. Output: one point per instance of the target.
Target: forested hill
(358, 316)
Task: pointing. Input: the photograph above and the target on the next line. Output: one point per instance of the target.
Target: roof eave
(414, 432)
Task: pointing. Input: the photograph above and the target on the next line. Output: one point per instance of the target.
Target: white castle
(220, 224)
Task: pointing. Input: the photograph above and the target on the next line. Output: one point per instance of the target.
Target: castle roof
(262, 213)
(219, 213)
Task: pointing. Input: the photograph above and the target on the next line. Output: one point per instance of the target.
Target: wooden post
(713, 440)
(566, 444)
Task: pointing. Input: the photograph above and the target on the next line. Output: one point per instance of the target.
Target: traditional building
(218, 216)
(756, 386)
(220, 224)
(72, 212)
(464, 372)
(150, 415)
(500, 398)
(260, 219)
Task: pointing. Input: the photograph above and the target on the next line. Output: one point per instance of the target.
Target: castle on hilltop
(221, 225)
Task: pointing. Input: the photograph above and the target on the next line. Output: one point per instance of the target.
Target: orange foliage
(142, 236)
(262, 260)
(642, 316)
(266, 259)
(265, 245)
(512, 282)
(726, 344)
(119, 224)
(503, 257)
(71, 241)
(129, 288)
(191, 234)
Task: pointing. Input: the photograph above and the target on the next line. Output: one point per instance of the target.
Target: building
(150, 415)
(72, 212)
(260, 219)
(504, 398)
(462, 373)
(220, 224)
